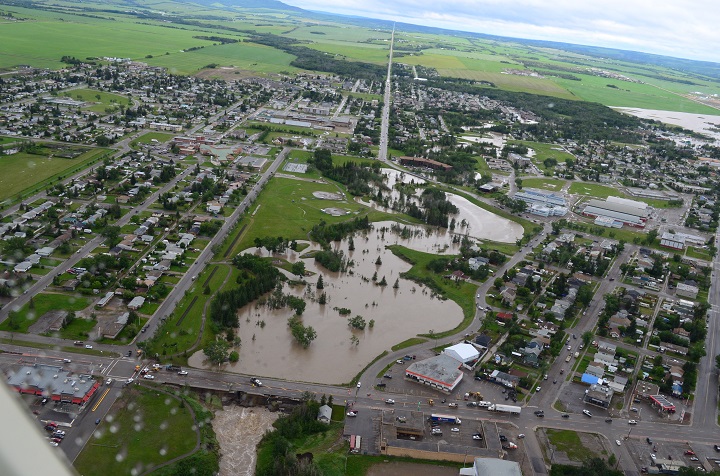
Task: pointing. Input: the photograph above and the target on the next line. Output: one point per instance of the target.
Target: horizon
(664, 29)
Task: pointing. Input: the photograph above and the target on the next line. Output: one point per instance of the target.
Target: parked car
(97, 422)
(477, 436)
(649, 441)
(455, 430)
(88, 346)
(359, 385)
(352, 413)
(618, 442)
(689, 453)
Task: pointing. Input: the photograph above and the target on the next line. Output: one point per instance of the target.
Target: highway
(385, 121)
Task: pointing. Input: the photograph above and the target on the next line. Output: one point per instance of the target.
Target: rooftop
(441, 368)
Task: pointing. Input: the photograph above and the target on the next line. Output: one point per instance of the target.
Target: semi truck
(445, 418)
(504, 408)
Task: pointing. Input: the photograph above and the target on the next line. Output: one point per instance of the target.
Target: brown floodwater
(239, 430)
(268, 349)
(482, 224)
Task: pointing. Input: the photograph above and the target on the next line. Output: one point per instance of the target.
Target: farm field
(248, 56)
(84, 37)
(24, 171)
(367, 53)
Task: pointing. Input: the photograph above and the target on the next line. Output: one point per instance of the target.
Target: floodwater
(482, 224)
(701, 123)
(239, 430)
(269, 350)
(494, 138)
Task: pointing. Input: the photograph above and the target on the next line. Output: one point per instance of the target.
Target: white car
(617, 442)
(587, 412)
(652, 456)
(359, 385)
(183, 372)
(632, 422)
(88, 346)
(108, 381)
(569, 347)
(352, 413)
(455, 430)
(390, 401)
(150, 377)
(537, 389)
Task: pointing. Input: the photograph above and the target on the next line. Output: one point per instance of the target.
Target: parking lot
(643, 452)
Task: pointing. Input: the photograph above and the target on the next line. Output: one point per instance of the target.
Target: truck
(484, 404)
(497, 407)
(577, 354)
(445, 418)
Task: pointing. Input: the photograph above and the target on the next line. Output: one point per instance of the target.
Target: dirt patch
(336, 212)
(410, 469)
(329, 196)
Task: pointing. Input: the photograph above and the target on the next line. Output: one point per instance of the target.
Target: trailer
(497, 407)
(355, 442)
(445, 418)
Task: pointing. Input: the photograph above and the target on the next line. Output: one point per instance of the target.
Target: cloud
(683, 29)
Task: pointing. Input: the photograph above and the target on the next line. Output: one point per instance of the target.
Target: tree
(651, 236)
(397, 283)
(216, 352)
(498, 283)
(717, 361)
(234, 356)
(207, 291)
(320, 284)
(298, 268)
(322, 299)
(587, 337)
(354, 340)
(112, 235)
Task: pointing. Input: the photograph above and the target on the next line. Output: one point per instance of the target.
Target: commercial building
(673, 241)
(598, 395)
(547, 211)
(629, 212)
(492, 467)
(441, 372)
(465, 353)
(55, 383)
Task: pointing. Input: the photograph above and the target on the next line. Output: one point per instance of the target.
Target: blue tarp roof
(591, 379)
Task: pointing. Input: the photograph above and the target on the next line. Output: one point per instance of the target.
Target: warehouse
(441, 372)
(533, 196)
(629, 212)
(465, 353)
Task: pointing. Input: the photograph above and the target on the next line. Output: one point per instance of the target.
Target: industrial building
(533, 196)
(629, 212)
(547, 211)
(441, 372)
(465, 353)
(55, 383)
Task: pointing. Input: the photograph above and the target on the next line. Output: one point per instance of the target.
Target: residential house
(325, 414)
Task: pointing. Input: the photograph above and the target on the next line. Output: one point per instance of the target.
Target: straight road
(382, 152)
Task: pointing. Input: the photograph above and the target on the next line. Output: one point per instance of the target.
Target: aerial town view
(246, 237)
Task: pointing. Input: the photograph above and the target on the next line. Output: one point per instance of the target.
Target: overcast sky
(681, 28)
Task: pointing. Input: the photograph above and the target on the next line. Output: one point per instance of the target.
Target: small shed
(324, 414)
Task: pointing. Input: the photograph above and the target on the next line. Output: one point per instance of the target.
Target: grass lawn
(97, 101)
(569, 442)
(147, 428)
(462, 293)
(544, 151)
(24, 173)
(544, 183)
(148, 138)
(78, 329)
(698, 253)
(180, 331)
(43, 303)
(408, 343)
(294, 201)
(594, 190)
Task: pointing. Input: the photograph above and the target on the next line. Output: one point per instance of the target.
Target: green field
(148, 138)
(248, 56)
(147, 429)
(544, 151)
(367, 53)
(25, 173)
(544, 183)
(594, 190)
(38, 306)
(294, 201)
(86, 37)
(570, 443)
(98, 100)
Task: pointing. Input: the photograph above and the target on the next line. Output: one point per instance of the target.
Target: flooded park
(399, 310)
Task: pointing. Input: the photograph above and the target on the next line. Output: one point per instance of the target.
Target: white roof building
(462, 352)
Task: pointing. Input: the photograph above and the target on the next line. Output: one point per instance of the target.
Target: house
(483, 341)
(503, 316)
(596, 369)
(687, 290)
(531, 353)
(504, 379)
(136, 303)
(324, 414)
(70, 284)
(475, 263)
(23, 267)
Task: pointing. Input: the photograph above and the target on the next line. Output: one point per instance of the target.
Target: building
(441, 372)
(533, 196)
(598, 395)
(136, 303)
(492, 467)
(112, 330)
(325, 414)
(629, 212)
(465, 353)
(504, 379)
(105, 299)
(672, 241)
(687, 290)
(55, 383)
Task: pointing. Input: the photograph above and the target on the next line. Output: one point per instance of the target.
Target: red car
(689, 453)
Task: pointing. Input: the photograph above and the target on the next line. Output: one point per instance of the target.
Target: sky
(679, 28)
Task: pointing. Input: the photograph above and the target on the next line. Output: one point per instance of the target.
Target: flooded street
(268, 349)
(238, 431)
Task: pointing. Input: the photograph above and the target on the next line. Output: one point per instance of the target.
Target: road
(385, 123)
(187, 281)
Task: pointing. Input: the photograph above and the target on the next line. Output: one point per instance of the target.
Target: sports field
(23, 171)
(97, 101)
(544, 183)
(594, 190)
